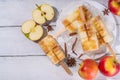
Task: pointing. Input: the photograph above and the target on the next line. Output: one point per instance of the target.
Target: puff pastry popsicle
(100, 27)
(88, 38)
(53, 50)
(81, 15)
(103, 33)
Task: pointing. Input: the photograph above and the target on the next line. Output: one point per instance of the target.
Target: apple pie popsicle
(87, 33)
(53, 50)
(75, 20)
(72, 22)
(103, 33)
(99, 26)
(88, 38)
(72, 17)
(78, 17)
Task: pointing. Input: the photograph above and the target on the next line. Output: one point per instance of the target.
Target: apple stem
(43, 13)
(37, 6)
(80, 64)
(118, 1)
(115, 62)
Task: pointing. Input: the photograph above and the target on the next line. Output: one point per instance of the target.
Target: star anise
(70, 62)
(106, 11)
(49, 27)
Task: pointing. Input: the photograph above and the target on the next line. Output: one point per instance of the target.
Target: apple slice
(48, 11)
(27, 26)
(38, 16)
(32, 30)
(43, 13)
(36, 33)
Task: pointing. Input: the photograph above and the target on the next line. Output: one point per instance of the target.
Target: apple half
(31, 30)
(43, 13)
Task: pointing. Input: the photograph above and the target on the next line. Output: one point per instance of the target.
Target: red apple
(88, 69)
(109, 66)
(114, 6)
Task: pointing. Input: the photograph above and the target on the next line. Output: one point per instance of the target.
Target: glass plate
(96, 9)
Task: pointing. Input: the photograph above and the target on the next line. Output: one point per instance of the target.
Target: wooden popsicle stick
(65, 68)
(63, 65)
(59, 32)
(111, 50)
(108, 45)
(82, 14)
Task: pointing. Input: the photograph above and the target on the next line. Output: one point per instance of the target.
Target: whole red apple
(114, 6)
(88, 69)
(109, 66)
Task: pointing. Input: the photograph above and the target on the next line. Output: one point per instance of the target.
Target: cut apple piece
(43, 13)
(38, 16)
(36, 33)
(48, 11)
(31, 30)
(27, 26)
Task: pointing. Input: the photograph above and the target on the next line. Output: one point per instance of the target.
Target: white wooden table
(22, 59)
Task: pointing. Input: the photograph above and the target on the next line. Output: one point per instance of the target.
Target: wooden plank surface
(15, 12)
(13, 42)
(37, 68)
(30, 68)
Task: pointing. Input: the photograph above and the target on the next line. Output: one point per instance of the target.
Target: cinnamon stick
(65, 48)
(73, 46)
(74, 52)
(80, 56)
(72, 34)
(74, 43)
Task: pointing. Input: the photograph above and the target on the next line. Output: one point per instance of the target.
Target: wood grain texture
(117, 18)
(30, 68)
(13, 42)
(38, 68)
(15, 12)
